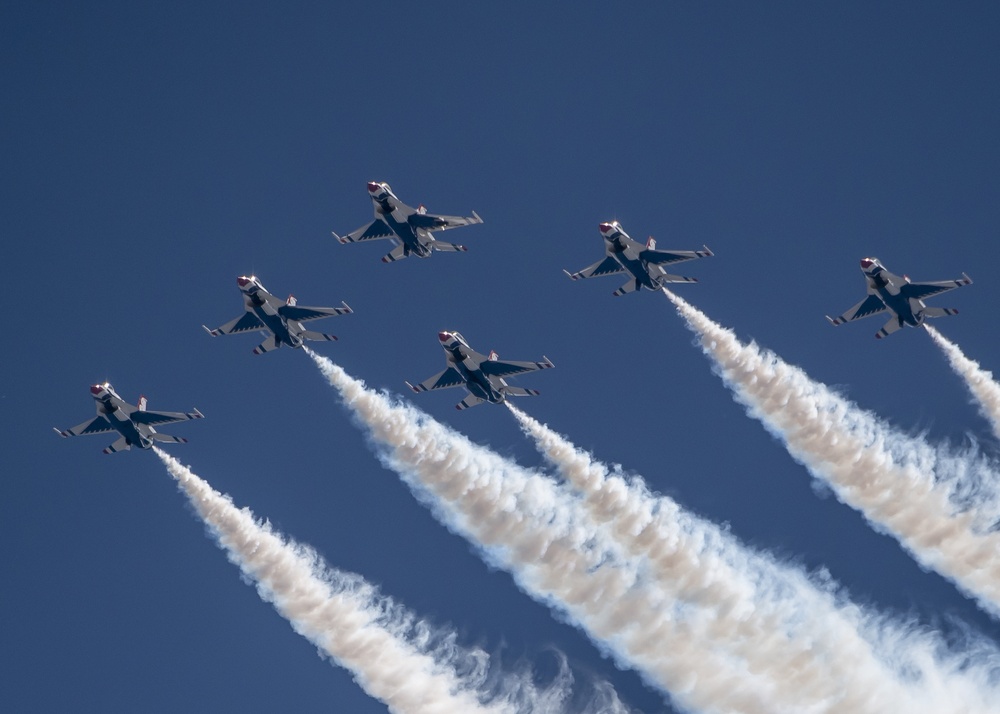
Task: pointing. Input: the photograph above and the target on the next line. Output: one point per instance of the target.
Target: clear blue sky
(153, 152)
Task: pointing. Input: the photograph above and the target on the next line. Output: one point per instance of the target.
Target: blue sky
(154, 152)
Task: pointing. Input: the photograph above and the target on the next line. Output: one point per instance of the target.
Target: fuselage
(909, 312)
(256, 301)
(619, 245)
(391, 210)
(459, 356)
(109, 404)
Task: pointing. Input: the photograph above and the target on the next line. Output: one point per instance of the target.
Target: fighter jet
(645, 265)
(409, 228)
(481, 374)
(134, 423)
(902, 298)
(282, 318)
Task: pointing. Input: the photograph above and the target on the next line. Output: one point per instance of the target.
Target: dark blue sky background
(153, 152)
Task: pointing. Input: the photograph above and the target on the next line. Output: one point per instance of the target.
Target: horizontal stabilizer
(469, 401)
(520, 392)
(167, 439)
(318, 336)
(888, 328)
(629, 287)
(271, 343)
(939, 311)
(120, 445)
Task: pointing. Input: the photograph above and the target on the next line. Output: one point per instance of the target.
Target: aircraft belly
(274, 323)
(637, 270)
(900, 306)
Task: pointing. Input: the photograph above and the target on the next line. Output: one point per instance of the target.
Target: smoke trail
(403, 662)
(940, 507)
(535, 529)
(980, 382)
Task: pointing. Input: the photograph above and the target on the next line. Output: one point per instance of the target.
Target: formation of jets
(483, 376)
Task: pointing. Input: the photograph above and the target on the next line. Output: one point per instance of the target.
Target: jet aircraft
(644, 264)
(134, 423)
(282, 318)
(481, 375)
(410, 228)
(898, 295)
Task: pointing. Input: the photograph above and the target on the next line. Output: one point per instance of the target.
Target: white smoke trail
(535, 529)
(985, 389)
(794, 631)
(941, 507)
(404, 662)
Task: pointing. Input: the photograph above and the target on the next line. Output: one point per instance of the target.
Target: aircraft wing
(157, 418)
(608, 266)
(301, 314)
(919, 291)
(376, 230)
(503, 368)
(97, 425)
(451, 377)
(871, 305)
(665, 257)
(435, 222)
(247, 322)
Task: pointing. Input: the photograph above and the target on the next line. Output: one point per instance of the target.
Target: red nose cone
(444, 336)
(373, 187)
(866, 263)
(242, 282)
(606, 227)
(96, 389)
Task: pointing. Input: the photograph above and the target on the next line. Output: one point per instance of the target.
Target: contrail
(980, 382)
(940, 506)
(527, 524)
(404, 662)
(802, 634)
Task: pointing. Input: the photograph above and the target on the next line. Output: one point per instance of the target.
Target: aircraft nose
(373, 187)
(242, 281)
(606, 227)
(96, 389)
(444, 336)
(866, 263)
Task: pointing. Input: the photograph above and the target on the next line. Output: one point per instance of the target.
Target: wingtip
(832, 321)
(210, 331)
(968, 280)
(348, 308)
(60, 432)
(339, 239)
(547, 361)
(569, 275)
(196, 414)
(708, 251)
(476, 216)
(412, 388)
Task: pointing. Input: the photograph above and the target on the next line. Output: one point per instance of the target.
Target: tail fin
(142, 403)
(291, 301)
(651, 243)
(493, 356)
